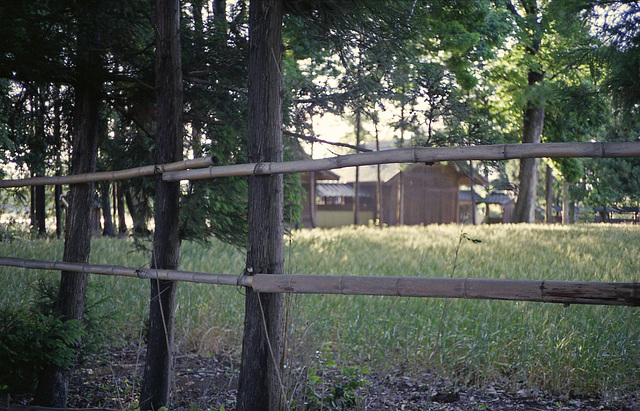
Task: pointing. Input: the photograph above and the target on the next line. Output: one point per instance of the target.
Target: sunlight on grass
(577, 348)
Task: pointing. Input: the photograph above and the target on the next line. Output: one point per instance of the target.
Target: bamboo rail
(111, 175)
(147, 273)
(417, 155)
(562, 292)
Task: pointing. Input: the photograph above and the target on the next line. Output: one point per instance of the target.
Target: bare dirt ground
(111, 381)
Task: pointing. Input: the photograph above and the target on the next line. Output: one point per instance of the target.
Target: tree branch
(317, 140)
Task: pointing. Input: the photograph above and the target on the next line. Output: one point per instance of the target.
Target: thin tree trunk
(473, 196)
(57, 136)
(122, 221)
(54, 383)
(259, 386)
(378, 183)
(533, 121)
(549, 195)
(32, 206)
(114, 204)
(524, 211)
(565, 202)
(400, 193)
(58, 193)
(158, 370)
(136, 210)
(356, 184)
(108, 229)
(41, 216)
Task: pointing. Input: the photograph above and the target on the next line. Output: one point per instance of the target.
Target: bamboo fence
(121, 271)
(111, 175)
(565, 292)
(204, 167)
(562, 292)
(417, 155)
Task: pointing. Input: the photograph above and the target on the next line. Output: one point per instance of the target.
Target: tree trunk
(524, 211)
(58, 193)
(549, 195)
(356, 184)
(378, 184)
(53, 384)
(136, 210)
(533, 119)
(41, 215)
(259, 386)
(32, 206)
(156, 382)
(57, 136)
(122, 221)
(473, 194)
(565, 202)
(105, 199)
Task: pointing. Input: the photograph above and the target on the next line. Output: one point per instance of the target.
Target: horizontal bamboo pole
(417, 155)
(563, 292)
(148, 273)
(111, 175)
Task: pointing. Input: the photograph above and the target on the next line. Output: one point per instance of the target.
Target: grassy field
(578, 349)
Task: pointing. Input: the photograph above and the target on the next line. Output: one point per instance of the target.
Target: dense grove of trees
(94, 85)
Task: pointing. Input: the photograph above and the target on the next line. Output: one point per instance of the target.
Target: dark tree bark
(524, 211)
(259, 386)
(549, 195)
(533, 119)
(32, 206)
(158, 371)
(378, 184)
(122, 222)
(53, 385)
(58, 206)
(105, 199)
(137, 209)
(40, 210)
(57, 136)
(356, 184)
(473, 193)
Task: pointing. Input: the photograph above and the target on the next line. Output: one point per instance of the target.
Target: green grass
(593, 349)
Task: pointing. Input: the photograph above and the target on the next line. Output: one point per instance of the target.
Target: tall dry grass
(576, 348)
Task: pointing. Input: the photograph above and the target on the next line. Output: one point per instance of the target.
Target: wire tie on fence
(247, 272)
(157, 169)
(257, 169)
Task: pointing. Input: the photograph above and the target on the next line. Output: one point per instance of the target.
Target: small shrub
(30, 342)
(33, 339)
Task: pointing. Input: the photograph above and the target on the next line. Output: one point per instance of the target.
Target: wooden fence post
(156, 382)
(259, 385)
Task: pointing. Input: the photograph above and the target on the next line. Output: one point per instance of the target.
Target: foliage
(342, 392)
(33, 339)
